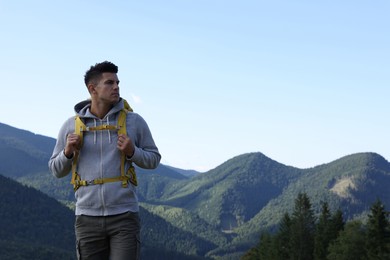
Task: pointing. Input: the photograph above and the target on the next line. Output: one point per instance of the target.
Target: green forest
(302, 236)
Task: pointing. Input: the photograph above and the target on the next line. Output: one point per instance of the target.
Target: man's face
(107, 89)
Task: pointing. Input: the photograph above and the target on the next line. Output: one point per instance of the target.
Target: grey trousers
(108, 238)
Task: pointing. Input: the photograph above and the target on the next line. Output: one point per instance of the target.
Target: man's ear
(91, 88)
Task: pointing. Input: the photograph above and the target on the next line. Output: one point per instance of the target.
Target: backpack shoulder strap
(122, 130)
(127, 106)
(122, 122)
(130, 175)
(79, 128)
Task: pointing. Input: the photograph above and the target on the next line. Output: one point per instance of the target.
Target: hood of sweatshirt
(82, 108)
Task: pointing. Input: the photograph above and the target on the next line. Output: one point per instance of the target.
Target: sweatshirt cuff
(69, 158)
(135, 155)
(64, 158)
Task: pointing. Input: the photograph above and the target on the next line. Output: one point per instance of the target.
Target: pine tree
(323, 234)
(350, 244)
(265, 250)
(377, 226)
(282, 238)
(337, 223)
(302, 229)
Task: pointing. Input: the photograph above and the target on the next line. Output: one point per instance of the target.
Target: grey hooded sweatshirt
(99, 157)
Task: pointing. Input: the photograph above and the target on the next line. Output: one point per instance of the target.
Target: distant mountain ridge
(187, 173)
(221, 211)
(22, 148)
(228, 188)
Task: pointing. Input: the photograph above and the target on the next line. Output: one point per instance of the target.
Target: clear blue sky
(304, 82)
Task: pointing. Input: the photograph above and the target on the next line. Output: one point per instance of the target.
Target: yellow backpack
(80, 128)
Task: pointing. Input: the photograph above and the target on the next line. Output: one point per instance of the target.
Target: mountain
(153, 183)
(235, 191)
(27, 151)
(33, 225)
(217, 214)
(352, 184)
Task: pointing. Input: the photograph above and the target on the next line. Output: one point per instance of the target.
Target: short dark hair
(95, 72)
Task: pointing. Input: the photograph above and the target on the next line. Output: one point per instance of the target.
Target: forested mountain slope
(234, 192)
(33, 225)
(352, 183)
(23, 152)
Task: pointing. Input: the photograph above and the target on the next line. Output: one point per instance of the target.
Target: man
(107, 223)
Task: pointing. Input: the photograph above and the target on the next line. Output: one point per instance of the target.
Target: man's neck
(100, 110)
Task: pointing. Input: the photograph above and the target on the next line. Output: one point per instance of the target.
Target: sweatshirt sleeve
(146, 154)
(59, 164)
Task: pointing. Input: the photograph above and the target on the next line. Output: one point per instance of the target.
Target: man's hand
(73, 143)
(125, 145)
